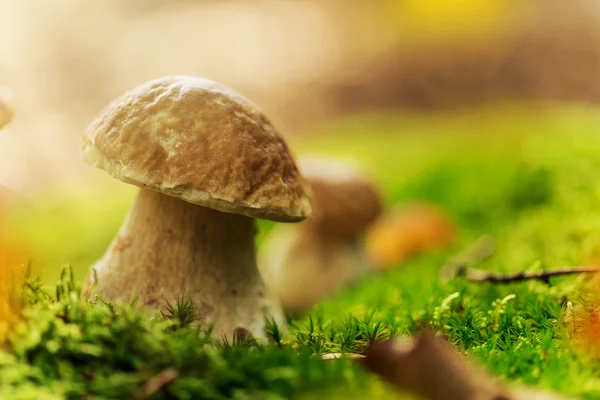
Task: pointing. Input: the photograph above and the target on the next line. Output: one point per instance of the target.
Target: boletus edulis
(208, 162)
(305, 263)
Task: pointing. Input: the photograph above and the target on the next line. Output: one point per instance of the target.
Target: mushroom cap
(344, 200)
(6, 107)
(197, 140)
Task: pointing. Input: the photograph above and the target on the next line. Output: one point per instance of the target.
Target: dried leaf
(430, 368)
(11, 257)
(585, 324)
(408, 231)
(9, 260)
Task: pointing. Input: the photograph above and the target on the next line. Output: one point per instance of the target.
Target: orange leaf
(408, 231)
(11, 256)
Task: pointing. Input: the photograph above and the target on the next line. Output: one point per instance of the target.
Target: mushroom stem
(167, 247)
(303, 266)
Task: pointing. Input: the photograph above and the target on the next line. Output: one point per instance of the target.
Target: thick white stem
(168, 247)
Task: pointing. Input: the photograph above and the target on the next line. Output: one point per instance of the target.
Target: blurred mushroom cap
(345, 201)
(197, 140)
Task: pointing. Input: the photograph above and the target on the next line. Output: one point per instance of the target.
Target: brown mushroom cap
(196, 140)
(344, 201)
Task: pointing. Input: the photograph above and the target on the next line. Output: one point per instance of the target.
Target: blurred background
(397, 84)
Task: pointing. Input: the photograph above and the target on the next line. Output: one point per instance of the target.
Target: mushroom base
(167, 247)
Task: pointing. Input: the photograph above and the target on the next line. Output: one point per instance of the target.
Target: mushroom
(208, 162)
(6, 107)
(305, 263)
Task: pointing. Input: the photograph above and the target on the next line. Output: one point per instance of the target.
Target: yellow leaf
(450, 19)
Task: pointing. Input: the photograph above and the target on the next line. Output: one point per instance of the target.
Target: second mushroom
(306, 263)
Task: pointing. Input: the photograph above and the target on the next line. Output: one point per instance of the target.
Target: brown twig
(476, 275)
(483, 248)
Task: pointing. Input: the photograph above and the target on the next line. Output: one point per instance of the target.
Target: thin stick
(336, 356)
(477, 275)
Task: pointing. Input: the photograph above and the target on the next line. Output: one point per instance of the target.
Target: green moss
(71, 347)
(529, 180)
